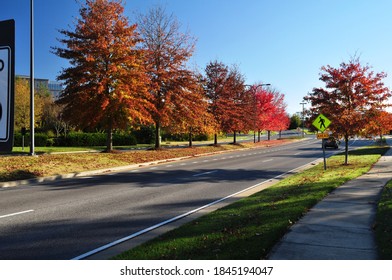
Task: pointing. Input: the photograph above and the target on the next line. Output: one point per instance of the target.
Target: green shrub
(75, 139)
(185, 137)
(122, 139)
(144, 134)
(81, 139)
(40, 139)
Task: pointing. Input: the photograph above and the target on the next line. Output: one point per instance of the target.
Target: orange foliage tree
(105, 84)
(192, 117)
(353, 94)
(238, 104)
(379, 124)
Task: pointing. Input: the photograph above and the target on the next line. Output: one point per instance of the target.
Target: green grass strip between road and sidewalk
(383, 226)
(249, 228)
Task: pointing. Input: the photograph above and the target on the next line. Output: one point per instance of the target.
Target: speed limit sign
(7, 74)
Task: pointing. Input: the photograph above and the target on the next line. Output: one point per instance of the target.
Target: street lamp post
(254, 89)
(303, 118)
(32, 144)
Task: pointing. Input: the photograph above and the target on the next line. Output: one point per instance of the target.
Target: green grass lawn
(384, 224)
(19, 150)
(249, 228)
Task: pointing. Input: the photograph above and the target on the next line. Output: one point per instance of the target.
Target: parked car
(331, 142)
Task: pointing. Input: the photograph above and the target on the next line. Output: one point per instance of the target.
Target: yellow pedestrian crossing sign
(321, 122)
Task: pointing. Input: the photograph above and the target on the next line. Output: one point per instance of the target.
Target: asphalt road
(67, 218)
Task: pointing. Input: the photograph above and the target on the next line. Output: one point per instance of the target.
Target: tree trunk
(346, 150)
(109, 139)
(269, 135)
(190, 138)
(157, 135)
(259, 139)
(215, 139)
(235, 138)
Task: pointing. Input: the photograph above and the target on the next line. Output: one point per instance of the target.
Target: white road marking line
(17, 213)
(296, 154)
(205, 173)
(267, 160)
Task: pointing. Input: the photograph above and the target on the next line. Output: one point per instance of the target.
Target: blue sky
(281, 42)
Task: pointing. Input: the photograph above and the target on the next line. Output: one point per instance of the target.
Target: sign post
(7, 76)
(322, 123)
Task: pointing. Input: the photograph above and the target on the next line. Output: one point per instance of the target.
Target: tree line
(131, 76)
(124, 75)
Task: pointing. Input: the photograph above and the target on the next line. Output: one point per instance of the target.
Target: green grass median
(19, 167)
(249, 228)
(383, 226)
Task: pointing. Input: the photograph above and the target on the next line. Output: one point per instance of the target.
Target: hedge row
(185, 137)
(76, 139)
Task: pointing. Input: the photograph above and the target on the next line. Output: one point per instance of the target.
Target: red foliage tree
(105, 84)
(352, 96)
(271, 112)
(229, 103)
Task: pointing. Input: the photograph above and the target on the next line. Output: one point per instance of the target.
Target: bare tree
(167, 50)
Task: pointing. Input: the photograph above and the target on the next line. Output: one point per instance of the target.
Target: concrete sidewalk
(340, 227)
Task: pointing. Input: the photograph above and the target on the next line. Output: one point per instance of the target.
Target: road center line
(17, 213)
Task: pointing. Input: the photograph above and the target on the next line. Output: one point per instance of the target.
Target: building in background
(53, 87)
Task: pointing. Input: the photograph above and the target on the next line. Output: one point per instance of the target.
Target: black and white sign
(7, 76)
(5, 90)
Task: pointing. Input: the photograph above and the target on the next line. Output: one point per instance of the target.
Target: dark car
(331, 142)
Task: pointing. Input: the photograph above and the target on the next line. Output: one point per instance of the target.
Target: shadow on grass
(19, 175)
